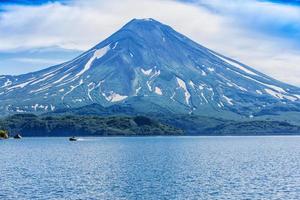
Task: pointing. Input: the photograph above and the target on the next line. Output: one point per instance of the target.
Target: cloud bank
(263, 35)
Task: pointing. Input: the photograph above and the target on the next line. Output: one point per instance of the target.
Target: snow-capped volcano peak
(147, 61)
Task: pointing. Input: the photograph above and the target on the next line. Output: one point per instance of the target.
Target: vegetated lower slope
(32, 125)
(197, 125)
(193, 124)
(91, 125)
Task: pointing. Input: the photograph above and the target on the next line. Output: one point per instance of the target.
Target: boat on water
(73, 138)
(18, 136)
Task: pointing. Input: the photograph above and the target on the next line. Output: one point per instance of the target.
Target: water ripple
(151, 168)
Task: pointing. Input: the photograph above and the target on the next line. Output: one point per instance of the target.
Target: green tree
(3, 134)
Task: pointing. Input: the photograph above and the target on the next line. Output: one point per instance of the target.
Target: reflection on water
(151, 168)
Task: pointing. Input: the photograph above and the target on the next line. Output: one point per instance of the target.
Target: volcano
(151, 68)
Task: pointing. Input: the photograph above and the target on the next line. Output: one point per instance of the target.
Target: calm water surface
(151, 168)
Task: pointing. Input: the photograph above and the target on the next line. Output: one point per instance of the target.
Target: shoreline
(158, 136)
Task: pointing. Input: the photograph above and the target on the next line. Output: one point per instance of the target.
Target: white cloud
(231, 28)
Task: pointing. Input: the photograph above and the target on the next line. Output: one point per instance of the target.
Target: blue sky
(295, 2)
(29, 2)
(261, 33)
(39, 2)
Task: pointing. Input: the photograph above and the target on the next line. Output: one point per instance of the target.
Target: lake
(151, 168)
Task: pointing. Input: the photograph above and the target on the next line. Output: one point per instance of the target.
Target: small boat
(73, 138)
(18, 136)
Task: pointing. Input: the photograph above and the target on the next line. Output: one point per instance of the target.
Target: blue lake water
(151, 168)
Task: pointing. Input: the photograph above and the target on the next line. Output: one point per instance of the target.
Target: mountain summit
(150, 67)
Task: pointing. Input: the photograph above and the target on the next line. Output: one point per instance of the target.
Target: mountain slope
(149, 66)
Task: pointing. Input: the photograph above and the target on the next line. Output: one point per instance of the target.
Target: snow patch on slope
(7, 83)
(146, 72)
(229, 100)
(204, 97)
(192, 84)
(61, 79)
(259, 92)
(274, 91)
(152, 78)
(235, 64)
(72, 89)
(91, 87)
(42, 79)
(115, 45)
(158, 91)
(22, 85)
(137, 91)
(211, 69)
(115, 97)
(182, 84)
(97, 54)
(280, 96)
